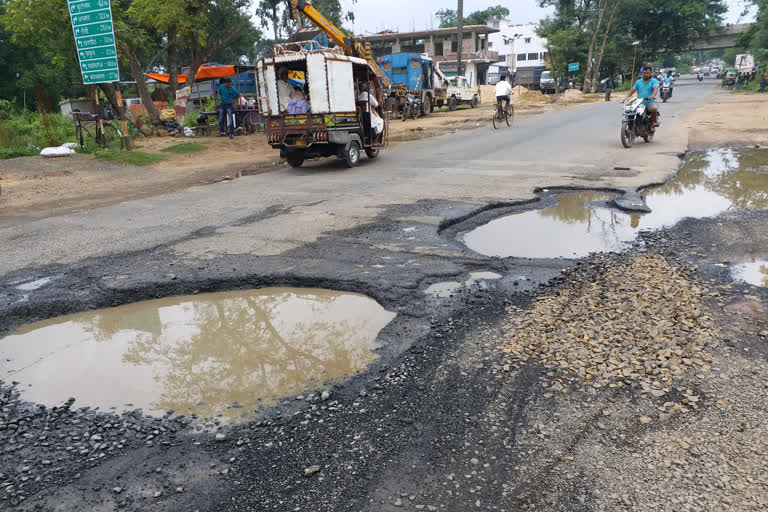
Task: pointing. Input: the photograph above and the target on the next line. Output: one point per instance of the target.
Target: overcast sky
(405, 15)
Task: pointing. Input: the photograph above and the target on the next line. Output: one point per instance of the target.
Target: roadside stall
(247, 114)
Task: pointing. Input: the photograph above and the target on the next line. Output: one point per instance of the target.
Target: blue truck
(416, 72)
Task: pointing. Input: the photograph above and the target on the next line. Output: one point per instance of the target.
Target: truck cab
(415, 72)
(455, 90)
(326, 115)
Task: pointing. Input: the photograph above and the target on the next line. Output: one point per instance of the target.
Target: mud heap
(571, 96)
(635, 321)
(522, 94)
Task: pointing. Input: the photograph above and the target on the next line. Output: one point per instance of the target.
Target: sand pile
(571, 96)
(522, 94)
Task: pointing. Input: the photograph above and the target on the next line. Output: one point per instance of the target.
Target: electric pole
(460, 43)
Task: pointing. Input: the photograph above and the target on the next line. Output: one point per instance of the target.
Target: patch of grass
(132, 158)
(6, 153)
(185, 147)
(752, 86)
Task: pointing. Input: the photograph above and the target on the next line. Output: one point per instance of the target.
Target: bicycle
(106, 138)
(499, 115)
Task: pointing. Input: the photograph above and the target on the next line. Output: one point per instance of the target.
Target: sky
(405, 15)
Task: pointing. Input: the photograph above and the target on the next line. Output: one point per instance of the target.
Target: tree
(52, 35)
(756, 38)
(577, 25)
(448, 17)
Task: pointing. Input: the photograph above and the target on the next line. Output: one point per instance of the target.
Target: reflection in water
(755, 273)
(196, 354)
(707, 185)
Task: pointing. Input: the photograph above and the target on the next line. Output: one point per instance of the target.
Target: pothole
(708, 184)
(448, 288)
(209, 354)
(754, 272)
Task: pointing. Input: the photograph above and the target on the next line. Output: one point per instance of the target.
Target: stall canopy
(203, 73)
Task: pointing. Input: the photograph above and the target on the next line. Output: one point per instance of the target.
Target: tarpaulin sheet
(203, 74)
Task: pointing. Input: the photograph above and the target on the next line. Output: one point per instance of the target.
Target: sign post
(95, 40)
(94, 34)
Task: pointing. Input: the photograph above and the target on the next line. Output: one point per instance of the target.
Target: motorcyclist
(647, 88)
(669, 79)
(503, 91)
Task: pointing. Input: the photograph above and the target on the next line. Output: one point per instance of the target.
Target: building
(441, 45)
(517, 45)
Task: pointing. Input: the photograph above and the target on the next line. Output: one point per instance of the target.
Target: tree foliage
(449, 18)
(670, 26)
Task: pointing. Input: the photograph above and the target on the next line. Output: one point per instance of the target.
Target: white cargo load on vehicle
(329, 77)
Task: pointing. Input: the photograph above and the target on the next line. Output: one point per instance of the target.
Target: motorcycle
(636, 122)
(666, 92)
(700, 77)
(412, 107)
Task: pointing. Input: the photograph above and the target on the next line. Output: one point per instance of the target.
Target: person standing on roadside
(610, 85)
(763, 81)
(227, 93)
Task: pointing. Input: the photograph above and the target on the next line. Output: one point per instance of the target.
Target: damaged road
(451, 415)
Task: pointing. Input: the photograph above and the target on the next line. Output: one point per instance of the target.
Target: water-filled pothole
(708, 184)
(209, 354)
(448, 288)
(753, 272)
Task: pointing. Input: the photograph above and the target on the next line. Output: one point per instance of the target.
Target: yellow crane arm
(334, 33)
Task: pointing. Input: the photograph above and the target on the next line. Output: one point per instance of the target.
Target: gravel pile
(47, 447)
(637, 322)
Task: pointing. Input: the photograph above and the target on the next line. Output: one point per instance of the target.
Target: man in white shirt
(377, 123)
(284, 90)
(503, 91)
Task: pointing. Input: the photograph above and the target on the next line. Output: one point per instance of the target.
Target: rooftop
(423, 34)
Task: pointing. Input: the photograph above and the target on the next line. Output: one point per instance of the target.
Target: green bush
(6, 109)
(24, 131)
(190, 119)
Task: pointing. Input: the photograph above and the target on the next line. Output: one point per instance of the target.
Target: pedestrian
(284, 89)
(609, 87)
(763, 81)
(227, 94)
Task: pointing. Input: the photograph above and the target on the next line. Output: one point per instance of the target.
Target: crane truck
(396, 92)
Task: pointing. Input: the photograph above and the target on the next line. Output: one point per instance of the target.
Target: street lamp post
(634, 60)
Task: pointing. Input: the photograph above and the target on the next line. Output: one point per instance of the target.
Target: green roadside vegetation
(129, 157)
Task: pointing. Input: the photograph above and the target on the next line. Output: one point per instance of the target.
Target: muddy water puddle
(448, 288)
(708, 184)
(754, 272)
(210, 354)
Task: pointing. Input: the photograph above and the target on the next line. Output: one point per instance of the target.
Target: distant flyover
(725, 39)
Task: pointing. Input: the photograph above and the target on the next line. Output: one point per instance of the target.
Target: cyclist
(503, 92)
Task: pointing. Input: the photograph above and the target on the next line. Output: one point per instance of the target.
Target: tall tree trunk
(275, 22)
(595, 31)
(173, 63)
(141, 86)
(123, 111)
(596, 73)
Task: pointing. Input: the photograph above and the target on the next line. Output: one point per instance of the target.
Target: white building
(517, 45)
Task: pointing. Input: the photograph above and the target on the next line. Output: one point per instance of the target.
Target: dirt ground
(731, 119)
(34, 187)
